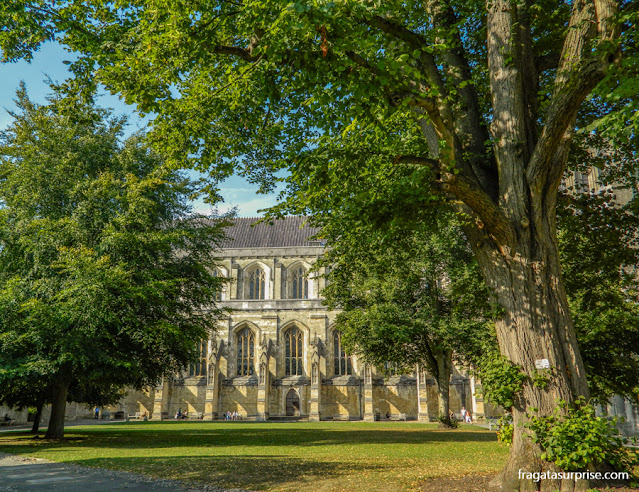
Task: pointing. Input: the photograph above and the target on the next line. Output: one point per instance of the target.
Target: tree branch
(506, 89)
(416, 99)
(362, 62)
(492, 217)
(398, 31)
(579, 72)
(242, 53)
(415, 159)
(529, 77)
(467, 115)
(415, 41)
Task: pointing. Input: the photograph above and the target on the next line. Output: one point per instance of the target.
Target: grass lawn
(326, 456)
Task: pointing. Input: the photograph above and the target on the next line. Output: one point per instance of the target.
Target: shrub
(448, 420)
(506, 430)
(501, 380)
(574, 438)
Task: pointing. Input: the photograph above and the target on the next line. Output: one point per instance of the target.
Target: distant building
(278, 354)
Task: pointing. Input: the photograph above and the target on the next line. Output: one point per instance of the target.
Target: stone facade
(274, 356)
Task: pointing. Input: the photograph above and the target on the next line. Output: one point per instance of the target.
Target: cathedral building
(278, 354)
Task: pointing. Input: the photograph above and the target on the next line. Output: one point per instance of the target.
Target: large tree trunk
(536, 327)
(58, 407)
(37, 417)
(515, 238)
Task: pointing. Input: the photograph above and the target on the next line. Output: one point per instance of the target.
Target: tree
(105, 277)
(599, 255)
(484, 96)
(409, 297)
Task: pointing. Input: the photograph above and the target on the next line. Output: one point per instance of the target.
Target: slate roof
(286, 232)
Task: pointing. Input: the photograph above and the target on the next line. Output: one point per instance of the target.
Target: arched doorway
(292, 403)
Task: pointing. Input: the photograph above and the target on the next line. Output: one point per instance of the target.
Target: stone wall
(73, 411)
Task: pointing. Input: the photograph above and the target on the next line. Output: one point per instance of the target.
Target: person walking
(97, 412)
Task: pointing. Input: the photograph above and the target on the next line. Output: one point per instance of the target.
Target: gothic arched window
(256, 284)
(199, 368)
(300, 284)
(343, 362)
(293, 363)
(245, 353)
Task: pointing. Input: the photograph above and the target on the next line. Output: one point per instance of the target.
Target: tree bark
(514, 236)
(444, 365)
(536, 326)
(37, 417)
(55, 429)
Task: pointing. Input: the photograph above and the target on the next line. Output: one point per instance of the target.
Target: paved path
(18, 473)
(22, 474)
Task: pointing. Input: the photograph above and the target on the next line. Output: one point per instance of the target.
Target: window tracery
(199, 368)
(245, 352)
(293, 341)
(300, 284)
(256, 284)
(343, 362)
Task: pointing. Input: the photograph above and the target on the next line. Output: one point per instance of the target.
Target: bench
(6, 422)
(187, 416)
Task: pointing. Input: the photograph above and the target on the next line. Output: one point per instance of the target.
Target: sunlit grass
(276, 456)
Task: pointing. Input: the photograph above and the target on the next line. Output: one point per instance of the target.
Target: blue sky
(49, 62)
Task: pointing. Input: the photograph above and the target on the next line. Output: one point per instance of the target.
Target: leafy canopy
(105, 276)
(407, 295)
(598, 236)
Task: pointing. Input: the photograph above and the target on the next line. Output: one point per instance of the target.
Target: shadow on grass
(257, 456)
(167, 436)
(248, 471)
